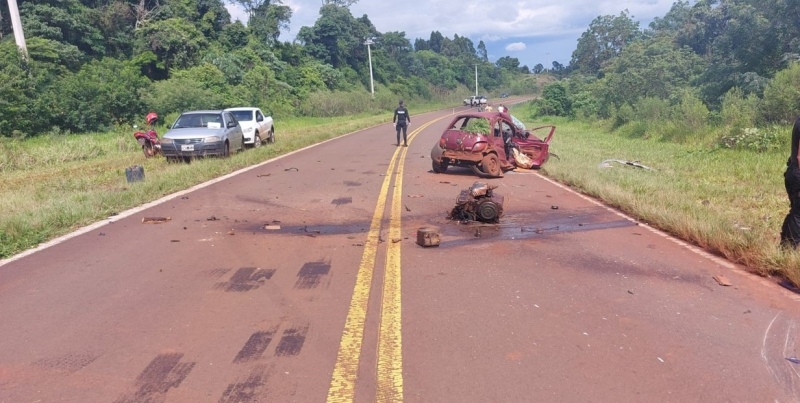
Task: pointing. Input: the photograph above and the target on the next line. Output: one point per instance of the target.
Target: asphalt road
(299, 280)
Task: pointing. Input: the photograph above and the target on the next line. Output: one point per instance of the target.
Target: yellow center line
(345, 371)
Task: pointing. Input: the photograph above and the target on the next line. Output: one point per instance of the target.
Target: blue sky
(533, 31)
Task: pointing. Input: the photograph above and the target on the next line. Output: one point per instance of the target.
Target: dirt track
(281, 283)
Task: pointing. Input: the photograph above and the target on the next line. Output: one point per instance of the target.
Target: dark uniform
(401, 119)
(790, 231)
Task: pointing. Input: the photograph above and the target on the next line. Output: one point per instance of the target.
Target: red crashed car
(487, 143)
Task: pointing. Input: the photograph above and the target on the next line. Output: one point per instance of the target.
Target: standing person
(790, 231)
(401, 120)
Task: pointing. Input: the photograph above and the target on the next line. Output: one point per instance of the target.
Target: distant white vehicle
(256, 126)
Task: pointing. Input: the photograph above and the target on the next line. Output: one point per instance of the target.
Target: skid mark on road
(164, 372)
(68, 363)
(248, 389)
(342, 200)
(256, 345)
(246, 279)
(311, 275)
(292, 341)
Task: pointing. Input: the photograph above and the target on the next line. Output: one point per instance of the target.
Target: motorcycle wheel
(148, 149)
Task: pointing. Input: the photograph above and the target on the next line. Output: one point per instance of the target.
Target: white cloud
(515, 47)
(548, 29)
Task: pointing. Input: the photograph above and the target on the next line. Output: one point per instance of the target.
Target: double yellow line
(390, 354)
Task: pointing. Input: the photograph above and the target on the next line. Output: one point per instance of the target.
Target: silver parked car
(202, 133)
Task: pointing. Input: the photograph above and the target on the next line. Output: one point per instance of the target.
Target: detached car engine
(478, 203)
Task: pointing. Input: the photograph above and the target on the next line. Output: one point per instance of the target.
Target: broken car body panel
(460, 146)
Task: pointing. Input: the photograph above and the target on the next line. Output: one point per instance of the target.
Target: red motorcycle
(148, 139)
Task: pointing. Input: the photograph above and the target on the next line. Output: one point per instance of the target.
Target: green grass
(730, 202)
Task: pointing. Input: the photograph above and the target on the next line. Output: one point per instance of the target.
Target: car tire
(226, 150)
(257, 140)
(439, 167)
(491, 165)
(272, 136)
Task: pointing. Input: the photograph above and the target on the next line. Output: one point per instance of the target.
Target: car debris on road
(478, 203)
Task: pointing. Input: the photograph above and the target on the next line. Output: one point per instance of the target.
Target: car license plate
(187, 147)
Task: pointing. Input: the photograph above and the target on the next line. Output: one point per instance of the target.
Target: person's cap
(401, 102)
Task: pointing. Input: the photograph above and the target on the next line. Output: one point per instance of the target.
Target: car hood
(193, 133)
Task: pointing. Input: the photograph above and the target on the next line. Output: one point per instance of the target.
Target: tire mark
(163, 373)
(68, 363)
(342, 200)
(248, 390)
(246, 279)
(292, 341)
(311, 273)
(255, 346)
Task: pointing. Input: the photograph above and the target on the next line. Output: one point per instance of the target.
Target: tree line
(727, 65)
(93, 64)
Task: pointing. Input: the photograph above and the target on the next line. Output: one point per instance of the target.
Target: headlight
(212, 139)
(249, 129)
(167, 141)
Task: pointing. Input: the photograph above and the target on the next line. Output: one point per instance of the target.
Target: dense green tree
(483, 54)
(69, 23)
(606, 37)
(175, 41)
(508, 63)
(17, 92)
(268, 20)
(104, 92)
(653, 68)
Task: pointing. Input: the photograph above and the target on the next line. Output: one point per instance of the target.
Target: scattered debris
(553, 207)
(660, 359)
(134, 173)
(478, 203)
(291, 169)
(793, 360)
(427, 237)
(607, 164)
(231, 232)
(102, 234)
(272, 227)
(396, 240)
(722, 280)
(406, 206)
(262, 175)
(415, 196)
(175, 240)
(185, 198)
(630, 292)
(155, 220)
(212, 218)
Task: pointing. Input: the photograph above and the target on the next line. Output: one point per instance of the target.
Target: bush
(782, 96)
(752, 138)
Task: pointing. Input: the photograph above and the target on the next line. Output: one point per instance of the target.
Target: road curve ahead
(299, 280)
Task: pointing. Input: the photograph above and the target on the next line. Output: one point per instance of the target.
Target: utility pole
(369, 53)
(476, 80)
(16, 23)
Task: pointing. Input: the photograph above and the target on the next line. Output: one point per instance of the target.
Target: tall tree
(606, 37)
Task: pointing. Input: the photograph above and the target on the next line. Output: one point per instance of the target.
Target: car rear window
(243, 115)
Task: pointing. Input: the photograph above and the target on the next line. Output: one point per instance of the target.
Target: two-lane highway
(299, 280)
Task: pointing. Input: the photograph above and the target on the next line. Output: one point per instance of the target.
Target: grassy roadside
(729, 202)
